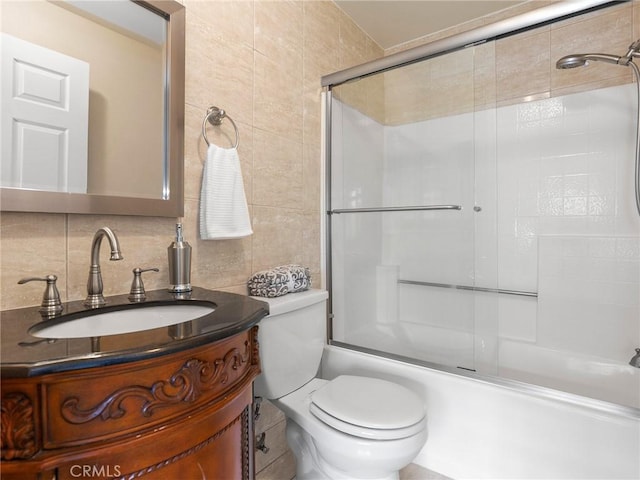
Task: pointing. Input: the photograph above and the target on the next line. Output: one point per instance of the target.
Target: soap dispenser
(179, 253)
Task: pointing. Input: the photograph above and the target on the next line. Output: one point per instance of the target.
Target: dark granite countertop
(24, 355)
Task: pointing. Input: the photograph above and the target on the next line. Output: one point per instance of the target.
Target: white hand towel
(223, 206)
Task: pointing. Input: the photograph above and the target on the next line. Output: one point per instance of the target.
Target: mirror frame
(16, 200)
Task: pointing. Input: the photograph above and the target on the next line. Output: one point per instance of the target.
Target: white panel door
(44, 121)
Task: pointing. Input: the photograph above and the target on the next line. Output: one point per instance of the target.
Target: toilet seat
(368, 408)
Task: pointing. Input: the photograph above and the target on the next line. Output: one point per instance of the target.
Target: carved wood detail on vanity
(255, 353)
(180, 415)
(191, 451)
(247, 432)
(97, 404)
(186, 385)
(18, 427)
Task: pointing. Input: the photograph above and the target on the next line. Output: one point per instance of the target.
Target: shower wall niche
(482, 216)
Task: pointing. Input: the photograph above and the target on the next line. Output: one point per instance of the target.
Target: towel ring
(215, 116)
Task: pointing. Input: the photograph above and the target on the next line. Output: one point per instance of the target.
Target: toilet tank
(291, 340)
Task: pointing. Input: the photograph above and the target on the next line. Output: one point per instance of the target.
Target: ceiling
(392, 22)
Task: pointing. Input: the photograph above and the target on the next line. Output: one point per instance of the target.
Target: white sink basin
(122, 321)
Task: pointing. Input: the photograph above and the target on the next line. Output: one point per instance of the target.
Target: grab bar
(395, 209)
(468, 287)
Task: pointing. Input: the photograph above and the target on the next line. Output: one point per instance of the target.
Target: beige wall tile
(636, 19)
(522, 65)
(370, 95)
(218, 73)
(355, 46)
(32, 246)
(311, 170)
(278, 68)
(278, 97)
(278, 237)
(277, 167)
(275, 38)
(321, 40)
(261, 61)
(484, 76)
(451, 90)
(311, 241)
(230, 21)
(312, 115)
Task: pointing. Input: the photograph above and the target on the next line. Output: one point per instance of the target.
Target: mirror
(93, 107)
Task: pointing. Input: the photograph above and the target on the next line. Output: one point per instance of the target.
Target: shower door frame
(504, 28)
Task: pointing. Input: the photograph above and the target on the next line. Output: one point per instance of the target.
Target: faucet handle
(137, 293)
(51, 304)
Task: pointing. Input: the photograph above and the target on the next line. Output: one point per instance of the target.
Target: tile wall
(261, 61)
(512, 70)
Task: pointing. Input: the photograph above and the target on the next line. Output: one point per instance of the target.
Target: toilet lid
(368, 407)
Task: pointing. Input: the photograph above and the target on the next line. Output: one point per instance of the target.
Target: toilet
(351, 427)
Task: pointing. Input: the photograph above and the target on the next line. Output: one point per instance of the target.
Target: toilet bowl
(351, 427)
(326, 452)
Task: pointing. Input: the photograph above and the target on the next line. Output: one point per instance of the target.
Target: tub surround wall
(566, 228)
(262, 63)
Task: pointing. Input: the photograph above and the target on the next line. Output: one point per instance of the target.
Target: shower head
(580, 60)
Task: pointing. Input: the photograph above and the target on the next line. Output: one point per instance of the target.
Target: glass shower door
(535, 279)
(404, 148)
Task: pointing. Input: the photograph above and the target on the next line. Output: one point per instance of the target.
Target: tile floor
(416, 472)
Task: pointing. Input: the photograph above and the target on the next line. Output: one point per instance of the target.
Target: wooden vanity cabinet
(185, 415)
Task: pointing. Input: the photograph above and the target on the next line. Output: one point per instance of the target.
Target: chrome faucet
(94, 284)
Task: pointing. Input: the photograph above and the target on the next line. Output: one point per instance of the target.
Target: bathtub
(587, 375)
(483, 430)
